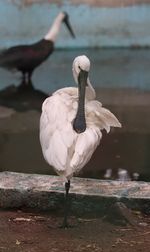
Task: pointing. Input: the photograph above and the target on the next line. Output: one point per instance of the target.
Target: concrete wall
(97, 23)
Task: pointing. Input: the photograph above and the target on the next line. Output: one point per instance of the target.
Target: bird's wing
(14, 56)
(23, 55)
(85, 146)
(56, 133)
(97, 118)
(100, 116)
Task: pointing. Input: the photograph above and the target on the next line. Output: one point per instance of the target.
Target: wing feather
(85, 146)
(100, 116)
(56, 154)
(56, 133)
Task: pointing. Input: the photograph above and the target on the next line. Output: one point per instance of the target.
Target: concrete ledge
(45, 192)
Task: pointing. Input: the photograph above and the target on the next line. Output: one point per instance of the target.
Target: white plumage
(64, 148)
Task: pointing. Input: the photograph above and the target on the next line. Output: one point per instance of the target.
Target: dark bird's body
(25, 58)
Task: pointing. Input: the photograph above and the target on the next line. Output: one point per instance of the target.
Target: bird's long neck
(90, 92)
(54, 30)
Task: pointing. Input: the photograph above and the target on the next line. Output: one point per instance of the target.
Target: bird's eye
(79, 67)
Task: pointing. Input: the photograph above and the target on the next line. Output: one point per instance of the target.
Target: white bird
(71, 124)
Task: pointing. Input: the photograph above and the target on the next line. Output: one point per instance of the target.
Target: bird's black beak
(82, 78)
(79, 124)
(66, 21)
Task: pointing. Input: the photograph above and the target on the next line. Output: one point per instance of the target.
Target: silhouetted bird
(26, 58)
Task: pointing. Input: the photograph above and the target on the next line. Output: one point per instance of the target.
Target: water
(121, 79)
(109, 69)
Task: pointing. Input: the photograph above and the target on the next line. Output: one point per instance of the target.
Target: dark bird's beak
(79, 124)
(66, 21)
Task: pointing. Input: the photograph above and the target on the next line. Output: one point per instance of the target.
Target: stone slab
(46, 192)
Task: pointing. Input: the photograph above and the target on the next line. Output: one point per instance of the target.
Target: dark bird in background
(25, 58)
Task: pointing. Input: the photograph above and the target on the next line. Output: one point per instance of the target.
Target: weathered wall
(97, 23)
(100, 3)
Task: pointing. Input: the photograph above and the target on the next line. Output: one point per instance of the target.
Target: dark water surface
(122, 82)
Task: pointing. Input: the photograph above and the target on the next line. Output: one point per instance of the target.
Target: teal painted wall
(95, 26)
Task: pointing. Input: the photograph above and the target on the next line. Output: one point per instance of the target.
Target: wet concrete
(121, 79)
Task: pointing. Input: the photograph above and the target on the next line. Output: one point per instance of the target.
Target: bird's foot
(66, 225)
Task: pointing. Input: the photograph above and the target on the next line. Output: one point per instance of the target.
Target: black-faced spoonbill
(71, 124)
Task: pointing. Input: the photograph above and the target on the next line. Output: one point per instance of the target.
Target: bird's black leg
(23, 78)
(66, 209)
(29, 82)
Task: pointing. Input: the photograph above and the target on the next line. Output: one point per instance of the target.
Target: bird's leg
(29, 82)
(66, 209)
(23, 78)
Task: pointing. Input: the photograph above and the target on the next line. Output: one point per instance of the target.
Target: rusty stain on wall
(98, 3)
(21, 3)
(111, 3)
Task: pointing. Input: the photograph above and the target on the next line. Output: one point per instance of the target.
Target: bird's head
(80, 67)
(67, 23)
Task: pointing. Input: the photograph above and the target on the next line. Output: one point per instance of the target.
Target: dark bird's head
(81, 67)
(67, 23)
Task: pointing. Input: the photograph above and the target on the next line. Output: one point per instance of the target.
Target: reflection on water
(22, 97)
(121, 79)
